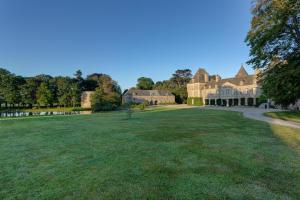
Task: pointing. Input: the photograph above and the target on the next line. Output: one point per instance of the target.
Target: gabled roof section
(241, 73)
(199, 76)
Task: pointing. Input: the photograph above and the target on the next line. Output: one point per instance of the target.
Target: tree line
(47, 91)
(176, 84)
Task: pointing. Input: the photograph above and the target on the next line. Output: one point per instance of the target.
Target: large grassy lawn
(163, 154)
(285, 115)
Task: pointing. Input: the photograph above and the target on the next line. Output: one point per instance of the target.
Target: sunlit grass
(174, 154)
(285, 115)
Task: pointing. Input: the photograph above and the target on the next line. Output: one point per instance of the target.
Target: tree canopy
(176, 84)
(274, 40)
(107, 95)
(145, 83)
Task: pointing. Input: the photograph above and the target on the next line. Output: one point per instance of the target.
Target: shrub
(197, 101)
(140, 106)
(102, 101)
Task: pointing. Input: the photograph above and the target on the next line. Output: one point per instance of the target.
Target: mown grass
(164, 154)
(285, 115)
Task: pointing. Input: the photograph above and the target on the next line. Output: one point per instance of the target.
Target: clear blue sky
(126, 39)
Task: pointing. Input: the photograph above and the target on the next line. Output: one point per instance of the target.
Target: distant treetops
(63, 91)
(44, 90)
(176, 84)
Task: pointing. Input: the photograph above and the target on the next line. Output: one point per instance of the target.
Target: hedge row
(197, 101)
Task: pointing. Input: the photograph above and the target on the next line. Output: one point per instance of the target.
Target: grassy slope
(183, 154)
(290, 116)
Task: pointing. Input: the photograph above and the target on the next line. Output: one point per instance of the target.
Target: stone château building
(153, 97)
(213, 90)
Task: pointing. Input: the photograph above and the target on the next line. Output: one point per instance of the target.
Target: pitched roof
(241, 73)
(199, 76)
(148, 92)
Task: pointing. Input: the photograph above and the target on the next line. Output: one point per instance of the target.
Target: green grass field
(160, 154)
(286, 115)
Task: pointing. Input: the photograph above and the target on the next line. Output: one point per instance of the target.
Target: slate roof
(241, 77)
(199, 76)
(241, 73)
(148, 92)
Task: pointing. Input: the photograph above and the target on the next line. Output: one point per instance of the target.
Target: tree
(10, 87)
(28, 92)
(181, 77)
(78, 75)
(176, 84)
(44, 95)
(144, 83)
(63, 85)
(107, 95)
(102, 101)
(75, 94)
(274, 40)
(79, 80)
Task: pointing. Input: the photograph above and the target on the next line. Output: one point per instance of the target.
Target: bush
(140, 106)
(102, 101)
(197, 101)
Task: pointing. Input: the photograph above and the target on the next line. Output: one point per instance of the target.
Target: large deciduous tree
(144, 83)
(274, 39)
(44, 95)
(107, 95)
(177, 84)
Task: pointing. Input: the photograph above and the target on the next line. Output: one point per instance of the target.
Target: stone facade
(154, 97)
(236, 91)
(86, 99)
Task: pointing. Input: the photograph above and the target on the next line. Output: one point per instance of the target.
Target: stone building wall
(151, 96)
(234, 91)
(86, 99)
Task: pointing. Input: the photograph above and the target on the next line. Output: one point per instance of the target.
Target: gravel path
(257, 113)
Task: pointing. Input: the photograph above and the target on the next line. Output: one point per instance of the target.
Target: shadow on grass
(174, 154)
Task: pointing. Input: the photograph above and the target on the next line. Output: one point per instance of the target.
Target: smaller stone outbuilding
(153, 97)
(86, 99)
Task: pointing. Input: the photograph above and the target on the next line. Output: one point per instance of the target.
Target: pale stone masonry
(86, 99)
(153, 97)
(213, 90)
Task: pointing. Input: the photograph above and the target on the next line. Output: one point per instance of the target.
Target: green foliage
(145, 83)
(177, 85)
(68, 91)
(197, 101)
(274, 40)
(28, 92)
(262, 99)
(45, 90)
(44, 95)
(107, 96)
(282, 83)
